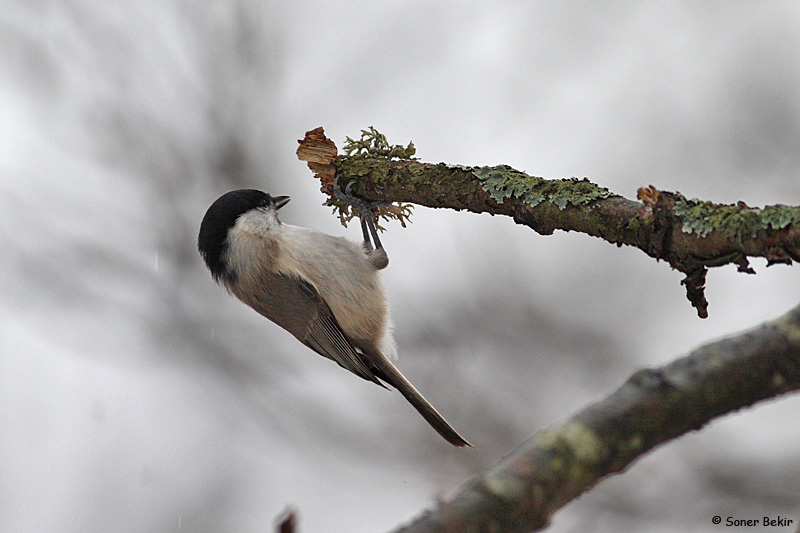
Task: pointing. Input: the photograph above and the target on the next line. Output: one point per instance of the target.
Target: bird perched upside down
(324, 290)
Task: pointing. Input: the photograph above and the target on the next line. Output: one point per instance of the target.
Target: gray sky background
(138, 396)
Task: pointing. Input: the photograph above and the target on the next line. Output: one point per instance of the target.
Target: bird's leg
(367, 243)
(377, 255)
(366, 215)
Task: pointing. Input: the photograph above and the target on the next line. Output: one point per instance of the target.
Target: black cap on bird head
(221, 217)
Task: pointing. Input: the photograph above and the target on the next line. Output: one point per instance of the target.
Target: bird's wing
(295, 304)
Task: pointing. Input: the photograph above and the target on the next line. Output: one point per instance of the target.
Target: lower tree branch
(557, 464)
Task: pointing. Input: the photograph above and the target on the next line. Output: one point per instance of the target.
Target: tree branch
(556, 465)
(690, 235)
(559, 463)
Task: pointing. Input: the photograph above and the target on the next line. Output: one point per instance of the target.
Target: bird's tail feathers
(395, 378)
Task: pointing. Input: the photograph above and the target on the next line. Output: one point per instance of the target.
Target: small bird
(322, 289)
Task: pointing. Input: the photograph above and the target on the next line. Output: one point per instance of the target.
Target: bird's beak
(281, 201)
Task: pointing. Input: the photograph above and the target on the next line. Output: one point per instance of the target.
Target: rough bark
(521, 492)
(690, 235)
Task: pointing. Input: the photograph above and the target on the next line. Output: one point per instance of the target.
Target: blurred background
(138, 396)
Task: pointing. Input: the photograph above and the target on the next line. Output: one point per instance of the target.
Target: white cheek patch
(257, 221)
(251, 245)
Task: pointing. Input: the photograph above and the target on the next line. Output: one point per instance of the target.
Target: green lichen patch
(574, 191)
(739, 222)
(374, 144)
(346, 213)
(503, 182)
(505, 485)
(361, 165)
(365, 158)
(586, 445)
(779, 216)
(695, 216)
(736, 221)
(701, 218)
(790, 328)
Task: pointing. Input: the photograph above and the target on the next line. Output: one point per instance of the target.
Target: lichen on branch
(503, 182)
(522, 491)
(373, 143)
(321, 155)
(690, 235)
